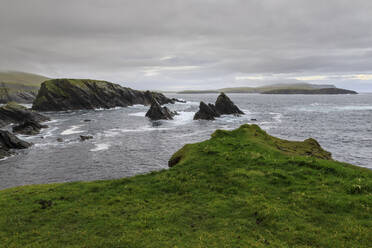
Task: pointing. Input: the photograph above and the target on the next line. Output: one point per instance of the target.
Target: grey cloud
(208, 43)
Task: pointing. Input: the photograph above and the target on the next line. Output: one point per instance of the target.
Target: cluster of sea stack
(222, 106)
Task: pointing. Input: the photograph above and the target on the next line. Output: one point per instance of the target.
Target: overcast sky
(191, 44)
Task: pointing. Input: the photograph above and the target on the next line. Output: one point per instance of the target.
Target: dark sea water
(126, 143)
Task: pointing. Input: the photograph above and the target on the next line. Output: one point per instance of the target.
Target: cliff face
(324, 91)
(73, 94)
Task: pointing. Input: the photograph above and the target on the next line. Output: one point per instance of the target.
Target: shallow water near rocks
(126, 143)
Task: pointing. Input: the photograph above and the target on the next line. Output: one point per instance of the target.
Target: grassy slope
(239, 189)
(22, 78)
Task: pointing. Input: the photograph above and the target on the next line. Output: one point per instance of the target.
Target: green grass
(241, 188)
(21, 78)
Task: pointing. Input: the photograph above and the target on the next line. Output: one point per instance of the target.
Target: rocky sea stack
(15, 113)
(206, 112)
(74, 94)
(8, 142)
(223, 106)
(157, 112)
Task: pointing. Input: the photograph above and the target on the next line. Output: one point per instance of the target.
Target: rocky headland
(75, 94)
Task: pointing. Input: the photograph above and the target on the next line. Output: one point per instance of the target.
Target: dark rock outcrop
(157, 112)
(324, 91)
(85, 137)
(29, 127)
(15, 113)
(223, 106)
(8, 142)
(73, 94)
(206, 112)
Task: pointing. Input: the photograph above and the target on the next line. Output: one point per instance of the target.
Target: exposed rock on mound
(157, 112)
(9, 141)
(324, 91)
(30, 127)
(73, 94)
(223, 106)
(252, 141)
(15, 113)
(206, 112)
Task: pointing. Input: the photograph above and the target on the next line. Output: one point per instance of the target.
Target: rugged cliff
(73, 94)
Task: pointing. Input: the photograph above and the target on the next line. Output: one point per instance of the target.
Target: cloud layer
(177, 44)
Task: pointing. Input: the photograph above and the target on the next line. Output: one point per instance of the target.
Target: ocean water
(126, 143)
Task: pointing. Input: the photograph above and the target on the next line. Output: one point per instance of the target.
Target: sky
(191, 44)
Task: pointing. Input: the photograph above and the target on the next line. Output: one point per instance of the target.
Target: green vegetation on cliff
(241, 188)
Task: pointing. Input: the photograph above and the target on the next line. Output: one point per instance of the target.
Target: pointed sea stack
(157, 112)
(206, 112)
(225, 106)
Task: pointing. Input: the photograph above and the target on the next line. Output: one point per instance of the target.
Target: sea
(126, 143)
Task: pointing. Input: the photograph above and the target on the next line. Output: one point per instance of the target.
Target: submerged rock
(225, 106)
(15, 113)
(9, 141)
(73, 94)
(157, 112)
(85, 137)
(29, 127)
(206, 112)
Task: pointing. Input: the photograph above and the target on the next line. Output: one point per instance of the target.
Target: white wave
(100, 147)
(111, 132)
(183, 117)
(140, 114)
(50, 131)
(27, 105)
(354, 107)
(5, 158)
(72, 130)
(145, 129)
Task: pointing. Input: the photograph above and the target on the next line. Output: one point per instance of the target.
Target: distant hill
(262, 89)
(22, 78)
(323, 91)
(19, 86)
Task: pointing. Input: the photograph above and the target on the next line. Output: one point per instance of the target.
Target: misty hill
(20, 87)
(324, 91)
(296, 86)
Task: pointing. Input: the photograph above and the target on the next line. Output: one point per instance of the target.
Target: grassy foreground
(241, 188)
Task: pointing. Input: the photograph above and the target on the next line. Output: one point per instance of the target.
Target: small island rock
(157, 112)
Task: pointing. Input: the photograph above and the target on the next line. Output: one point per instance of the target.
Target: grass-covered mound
(241, 188)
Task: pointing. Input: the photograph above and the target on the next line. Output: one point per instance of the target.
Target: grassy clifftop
(241, 188)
